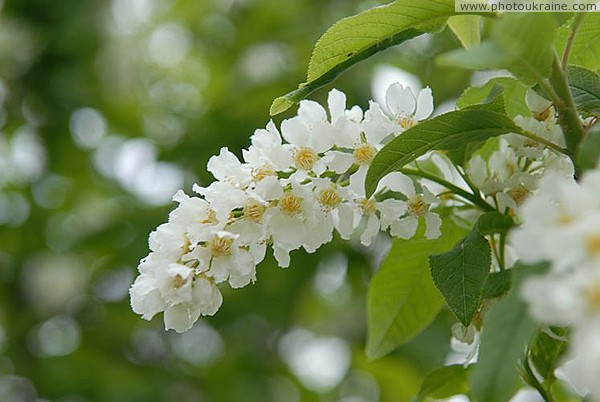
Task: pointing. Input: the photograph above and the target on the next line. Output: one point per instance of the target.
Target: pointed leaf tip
(280, 105)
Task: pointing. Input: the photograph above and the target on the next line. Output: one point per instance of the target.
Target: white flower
(223, 198)
(146, 298)
(333, 202)
(170, 241)
(174, 289)
(362, 145)
(379, 215)
(206, 300)
(502, 177)
(266, 155)
(314, 116)
(226, 167)
(189, 222)
(295, 221)
(405, 108)
(585, 349)
(222, 258)
(564, 298)
(417, 206)
(561, 223)
(532, 149)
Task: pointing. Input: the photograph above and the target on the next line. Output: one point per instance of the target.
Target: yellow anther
(178, 281)
(220, 246)
(417, 206)
(254, 211)
(211, 218)
(291, 205)
(304, 158)
(367, 206)
(364, 154)
(406, 122)
(519, 194)
(329, 198)
(592, 244)
(261, 173)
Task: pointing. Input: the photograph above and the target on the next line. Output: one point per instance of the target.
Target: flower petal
(400, 100)
(370, 231)
(405, 228)
(433, 222)
(424, 104)
(337, 104)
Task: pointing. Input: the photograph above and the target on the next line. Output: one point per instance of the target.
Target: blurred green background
(106, 109)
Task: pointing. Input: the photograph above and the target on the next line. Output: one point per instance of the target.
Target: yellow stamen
(220, 246)
(211, 218)
(186, 244)
(329, 198)
(592, 296)
(417, 206)
(519, 194)
(304, 158)
(254, 211)
(367, 206)
(364, 154)
(406, 122)
(178, 281)
(592, 244)
(565, 219)
(291, 205)
(261, 173)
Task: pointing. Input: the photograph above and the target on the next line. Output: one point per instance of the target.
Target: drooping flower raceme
(297, 186)
(293, 189)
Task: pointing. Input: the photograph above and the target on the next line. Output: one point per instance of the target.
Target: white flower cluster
(291, 191)
(511, 172)
(561, 225)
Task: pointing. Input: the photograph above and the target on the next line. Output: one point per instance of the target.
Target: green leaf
(402, 298)
(497, 284)
(281, 104)
(513, 93)
(467, 29)
(356, 38)
(585, 86)
(460, 275)
(589, 150)
(545, 350)
(494, 102)
(449, 131)
(461, 155)
(507, 330)
(585, 50)
(521, 43)
(445, 382)
(494, 222)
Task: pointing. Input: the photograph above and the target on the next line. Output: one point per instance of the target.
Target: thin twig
(543, 141)
(476, 200)
(572, 34)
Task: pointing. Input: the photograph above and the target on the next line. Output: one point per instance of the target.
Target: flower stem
(572, 34)
(544, 141)
(567, 112)
(476, 200)
(546, 395)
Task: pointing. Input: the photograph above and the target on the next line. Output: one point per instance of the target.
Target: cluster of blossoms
(507, 173)
(561, 225)
(512, 171)
(297, 185)
(292, 190)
